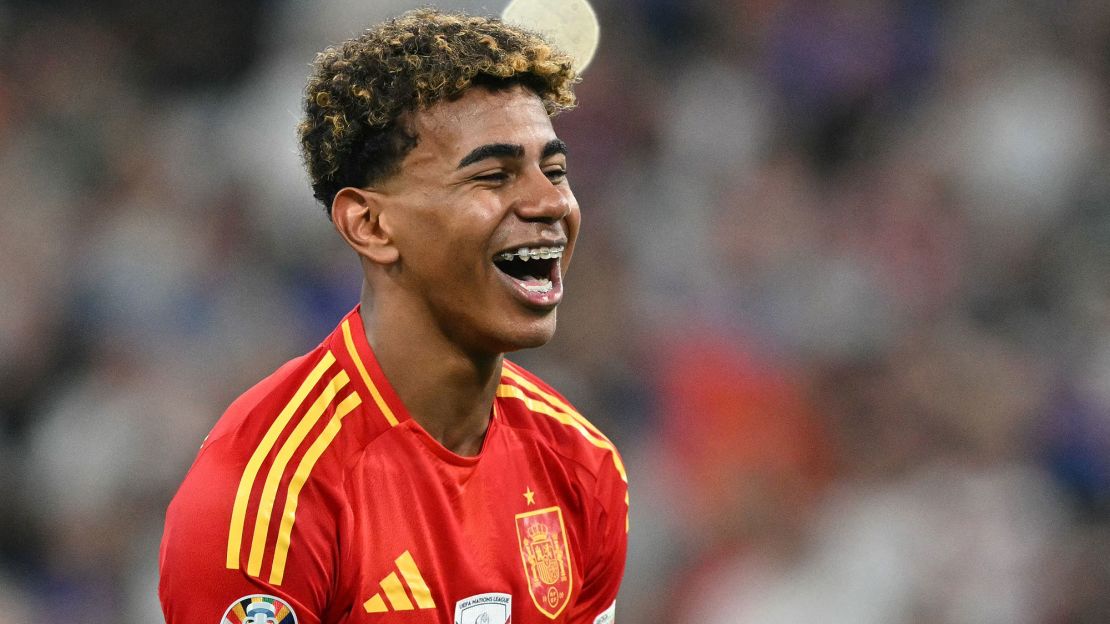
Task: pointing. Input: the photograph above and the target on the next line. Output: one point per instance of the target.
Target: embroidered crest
(493, 608)
(545, 553)
(259, 609)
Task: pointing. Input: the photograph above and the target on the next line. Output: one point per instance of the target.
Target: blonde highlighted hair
(354, 131)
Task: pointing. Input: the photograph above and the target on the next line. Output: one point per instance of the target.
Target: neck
(446, 391)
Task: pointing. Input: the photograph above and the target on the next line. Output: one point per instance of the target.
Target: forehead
(450, 129)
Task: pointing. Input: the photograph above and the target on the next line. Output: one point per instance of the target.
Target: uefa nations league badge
(484, 609)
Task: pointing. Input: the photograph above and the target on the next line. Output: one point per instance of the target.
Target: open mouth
(535, 269)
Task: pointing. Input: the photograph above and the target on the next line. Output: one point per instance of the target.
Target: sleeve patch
(259, 608)
(608, 616)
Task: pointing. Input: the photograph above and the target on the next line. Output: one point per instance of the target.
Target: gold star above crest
(530, 496)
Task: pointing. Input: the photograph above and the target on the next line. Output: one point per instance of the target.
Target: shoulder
(304, 402)
(257, 408)
(531, 404)
(265, 492)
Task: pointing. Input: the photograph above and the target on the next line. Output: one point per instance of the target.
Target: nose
(541, 199)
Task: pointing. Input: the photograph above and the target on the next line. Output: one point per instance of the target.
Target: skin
(438, 313)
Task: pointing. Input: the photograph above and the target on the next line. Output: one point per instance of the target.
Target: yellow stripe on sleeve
(377, 396)
(246, 482)
(277, 469)
(508, 391)
(300, 477)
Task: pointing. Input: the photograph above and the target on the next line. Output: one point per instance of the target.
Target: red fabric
(379, 491)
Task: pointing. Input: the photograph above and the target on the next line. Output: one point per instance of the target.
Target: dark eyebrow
(492, 150)
(510, 150)
(554, 146)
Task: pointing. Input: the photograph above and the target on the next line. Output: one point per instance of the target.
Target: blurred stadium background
(842, 295)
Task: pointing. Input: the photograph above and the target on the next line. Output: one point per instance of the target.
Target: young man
(404, 471)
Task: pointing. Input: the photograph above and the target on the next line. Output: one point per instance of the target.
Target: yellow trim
(510, 370)
(512, 392)
(395, 592)
(375, 604)
(304, 469)
(420, 592)
(242, 495)
(281, 460)
(377, 396)
(239, 612)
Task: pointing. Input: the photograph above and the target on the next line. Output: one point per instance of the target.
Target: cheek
(440, 242)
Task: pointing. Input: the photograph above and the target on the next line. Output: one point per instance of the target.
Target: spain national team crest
(546, 556)
(259, 609)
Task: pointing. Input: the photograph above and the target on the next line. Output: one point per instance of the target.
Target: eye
(556, 174)
(492, 177)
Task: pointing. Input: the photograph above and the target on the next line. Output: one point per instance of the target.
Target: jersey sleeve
(605, 569)
(218, 558)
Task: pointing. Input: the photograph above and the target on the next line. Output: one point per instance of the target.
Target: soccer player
(403, 470)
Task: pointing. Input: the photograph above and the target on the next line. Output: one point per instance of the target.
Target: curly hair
(354, 132)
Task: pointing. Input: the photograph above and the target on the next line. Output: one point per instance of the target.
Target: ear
(356, 214)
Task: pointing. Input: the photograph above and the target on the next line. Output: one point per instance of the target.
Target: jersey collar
(350, 346)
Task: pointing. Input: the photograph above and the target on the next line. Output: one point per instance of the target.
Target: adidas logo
(393, 588)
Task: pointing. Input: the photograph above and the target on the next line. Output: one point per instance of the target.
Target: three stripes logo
(394, 592)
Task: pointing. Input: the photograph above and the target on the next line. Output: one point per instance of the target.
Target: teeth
(526, 253)
(544, 286)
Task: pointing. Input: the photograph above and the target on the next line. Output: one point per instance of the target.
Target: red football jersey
(316, 498)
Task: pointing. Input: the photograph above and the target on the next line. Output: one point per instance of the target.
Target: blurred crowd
(842, 293)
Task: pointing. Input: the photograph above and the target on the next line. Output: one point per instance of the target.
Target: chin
(528, 335)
